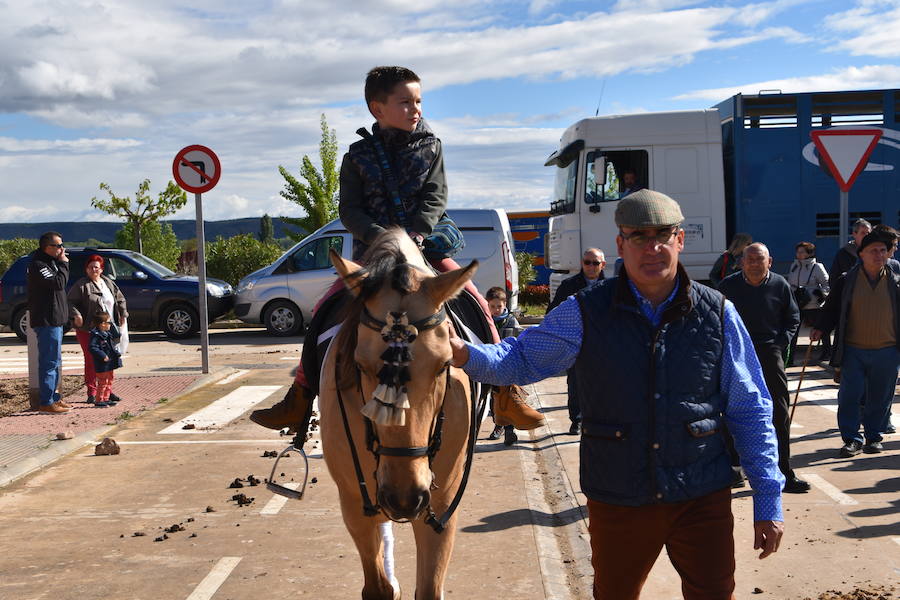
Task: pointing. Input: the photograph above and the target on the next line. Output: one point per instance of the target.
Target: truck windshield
(564, 189)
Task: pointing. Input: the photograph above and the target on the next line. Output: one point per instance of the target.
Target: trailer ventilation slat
(827, 223)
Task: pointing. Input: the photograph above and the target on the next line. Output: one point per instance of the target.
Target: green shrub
(159, 241)
(234, 258)
(527, 272)
(10, 250)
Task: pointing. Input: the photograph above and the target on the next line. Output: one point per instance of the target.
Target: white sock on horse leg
(387, 538)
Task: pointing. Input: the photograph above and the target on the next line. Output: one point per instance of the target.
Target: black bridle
(373, 444)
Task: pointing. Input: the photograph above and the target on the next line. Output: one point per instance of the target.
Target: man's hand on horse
(767, 536)
(460, 352)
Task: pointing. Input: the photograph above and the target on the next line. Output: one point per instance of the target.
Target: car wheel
(283, 318)
(18, 323)
(179, 321)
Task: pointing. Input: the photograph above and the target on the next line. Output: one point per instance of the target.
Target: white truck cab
(677, 153)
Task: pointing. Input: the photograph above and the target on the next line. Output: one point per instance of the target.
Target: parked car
(282, 295)
(157, 297)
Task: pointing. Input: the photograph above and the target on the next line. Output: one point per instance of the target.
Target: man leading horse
(661, 361)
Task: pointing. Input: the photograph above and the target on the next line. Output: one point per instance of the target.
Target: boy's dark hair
(47, 238)
(380, 81)
(101, 316)
(495, 292)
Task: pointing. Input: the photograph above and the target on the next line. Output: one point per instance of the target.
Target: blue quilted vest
(650, 403)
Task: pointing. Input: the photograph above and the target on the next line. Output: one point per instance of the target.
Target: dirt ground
(872, 593)
(14, 392)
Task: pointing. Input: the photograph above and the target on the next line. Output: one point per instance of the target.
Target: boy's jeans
(869, 374)
(49, 341)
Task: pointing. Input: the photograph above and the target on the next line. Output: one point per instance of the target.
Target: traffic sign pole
(201, 264)
(844, 226)
(197, 169)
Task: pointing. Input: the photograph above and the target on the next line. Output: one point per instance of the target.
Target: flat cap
(876, 237)
(647, 208)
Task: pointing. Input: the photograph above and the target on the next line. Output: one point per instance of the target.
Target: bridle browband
(374, 445)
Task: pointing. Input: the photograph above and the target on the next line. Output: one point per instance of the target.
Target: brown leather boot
(510, 408)
(287, 413)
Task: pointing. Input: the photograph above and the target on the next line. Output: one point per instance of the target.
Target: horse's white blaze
(387, 538)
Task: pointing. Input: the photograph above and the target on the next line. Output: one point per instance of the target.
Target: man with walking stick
(766, 305)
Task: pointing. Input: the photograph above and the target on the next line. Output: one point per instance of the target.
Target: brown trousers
(698, 535)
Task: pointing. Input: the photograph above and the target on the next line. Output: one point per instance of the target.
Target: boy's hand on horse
(460, 352)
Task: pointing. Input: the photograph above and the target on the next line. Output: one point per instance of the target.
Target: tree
(234, 258)
(266, 230)
(11, 250)
(145, 210)
(318, 196)
(159, 242)
(527, 272)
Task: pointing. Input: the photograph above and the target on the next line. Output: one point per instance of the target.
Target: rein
(374, 445)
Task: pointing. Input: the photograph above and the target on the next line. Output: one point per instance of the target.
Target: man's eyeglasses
(595, 263)
(57, 245)
(641, 238)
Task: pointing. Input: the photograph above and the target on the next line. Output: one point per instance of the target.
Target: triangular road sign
(846, 152)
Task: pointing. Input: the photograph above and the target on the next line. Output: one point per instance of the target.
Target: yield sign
(846, 152)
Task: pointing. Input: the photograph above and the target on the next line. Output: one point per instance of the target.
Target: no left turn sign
(196, 169)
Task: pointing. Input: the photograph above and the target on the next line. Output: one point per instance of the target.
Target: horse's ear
(446, 285)
(346, 269)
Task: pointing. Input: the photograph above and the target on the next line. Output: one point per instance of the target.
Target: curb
(61, 448)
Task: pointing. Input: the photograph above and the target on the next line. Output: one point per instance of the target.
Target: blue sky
(108, 91)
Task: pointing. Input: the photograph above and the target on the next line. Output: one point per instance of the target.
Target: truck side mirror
(600, 171)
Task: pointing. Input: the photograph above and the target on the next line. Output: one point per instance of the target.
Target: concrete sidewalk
(29, 440)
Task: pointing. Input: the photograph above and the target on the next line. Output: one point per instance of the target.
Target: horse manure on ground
(242, 499)
(161, 538)
(189, 426)
(252, 480)
(872, 592)
(210, 509)
(174, 528)
(269, 454)
(236, 483)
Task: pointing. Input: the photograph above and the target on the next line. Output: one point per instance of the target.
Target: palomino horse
(391, 361)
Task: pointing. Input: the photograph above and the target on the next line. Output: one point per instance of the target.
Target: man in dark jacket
(864, 306)
(664, 362)
(767, 307)
(847, 256)
(592, 264)
(48, 273)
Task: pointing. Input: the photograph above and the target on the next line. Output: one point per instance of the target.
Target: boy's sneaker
(496, 433)
(851, 449)
(873, 448)
(91, 399)
(113, 399)
(102, 404)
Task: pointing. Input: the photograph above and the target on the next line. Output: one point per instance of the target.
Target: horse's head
(400, 357)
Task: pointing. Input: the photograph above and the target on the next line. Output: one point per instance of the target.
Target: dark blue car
(157, 297)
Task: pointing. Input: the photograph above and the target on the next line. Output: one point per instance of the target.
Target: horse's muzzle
(407, 505)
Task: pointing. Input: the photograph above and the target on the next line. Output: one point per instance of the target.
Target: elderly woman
(809, 284)
(92, 294)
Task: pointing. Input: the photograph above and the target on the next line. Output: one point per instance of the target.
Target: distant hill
(106, 232)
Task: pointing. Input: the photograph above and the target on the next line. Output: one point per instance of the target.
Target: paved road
(68, 530)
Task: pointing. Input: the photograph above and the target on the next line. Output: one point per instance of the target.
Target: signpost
(846, 153)
(197, 169)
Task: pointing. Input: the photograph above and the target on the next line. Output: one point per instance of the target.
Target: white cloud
(872, 28)
(8, 144)
(851, 78)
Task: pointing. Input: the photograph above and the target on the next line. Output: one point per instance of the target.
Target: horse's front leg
(433, 552)
(367, 535)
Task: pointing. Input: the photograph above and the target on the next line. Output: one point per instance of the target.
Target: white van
(282, 295)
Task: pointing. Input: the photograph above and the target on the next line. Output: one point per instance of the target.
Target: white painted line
(829, 490)
(290, 358)
(165, 442)
(211, 583)
(233, 376)
(796, 426)
(896, 540)
(278, 501)
(224, 410)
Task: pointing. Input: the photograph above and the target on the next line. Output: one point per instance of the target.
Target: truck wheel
(283, 318)
(179, 321)
(18, 323)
